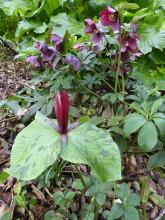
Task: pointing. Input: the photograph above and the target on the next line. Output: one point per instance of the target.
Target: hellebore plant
(39, 144)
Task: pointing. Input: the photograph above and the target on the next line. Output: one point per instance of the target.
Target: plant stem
(144, 212)
(81, 177)
(118, 69)
(123, 85)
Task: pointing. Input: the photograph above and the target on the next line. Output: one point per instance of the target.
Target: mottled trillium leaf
(90, 145)
(36, 147)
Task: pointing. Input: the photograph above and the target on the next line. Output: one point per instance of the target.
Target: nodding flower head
(61, 106)
(109, 17)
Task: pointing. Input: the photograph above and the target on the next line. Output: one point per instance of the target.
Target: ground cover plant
(82, 135)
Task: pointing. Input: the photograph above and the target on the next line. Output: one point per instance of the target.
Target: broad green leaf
(63, 22)
(50, 6)
(133, 122)
(36, 147)
(116, 212)
(147, 137)
(156, 160)
(156, 104)
(159, 119)
(9, 7)
(133, 199)
(151, 37)
(100, 198)
(123, 192)
(90, 145)
(127, 5)
(131, 213)
(23, 27)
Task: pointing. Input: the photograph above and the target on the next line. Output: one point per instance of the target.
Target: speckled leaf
(90, 145)
(36, 147)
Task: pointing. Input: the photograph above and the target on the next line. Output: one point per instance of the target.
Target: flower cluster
(48, 55)
(53, 57)
(109, 17)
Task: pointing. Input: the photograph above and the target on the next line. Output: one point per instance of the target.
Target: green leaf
(36, 147)
(159, 119)
(133, 122)
(151, 37)
(131, 213)
(127, 5)
(156, 104)
(133, 199)
(90, 145)
(70, 195)
(3, 176)
(78, 185)
(123, 192)
(23, 27)
(157, 199)
(100, 198)
(50, 6)
(116, 212)
(156, 160)
(147, 137)
(63, 22)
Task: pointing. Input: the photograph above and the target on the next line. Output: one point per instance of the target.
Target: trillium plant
(44, 140)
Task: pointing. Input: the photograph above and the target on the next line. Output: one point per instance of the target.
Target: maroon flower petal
(61, 107)
(97, 37)
(116, 26)
(73, 61)
(33, 61)
(90, 26)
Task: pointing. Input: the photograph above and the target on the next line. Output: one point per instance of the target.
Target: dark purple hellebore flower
(61, 107)
(49, 55)
(41, 46)
(33, 60)
(96, 48)
(91, 28)
(129, 42)
(109, 17)
(57, 40)
(73, 61)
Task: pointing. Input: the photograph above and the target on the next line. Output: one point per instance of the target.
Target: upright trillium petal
(61, 107)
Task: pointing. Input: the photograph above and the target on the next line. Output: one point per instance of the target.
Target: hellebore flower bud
(61, 107)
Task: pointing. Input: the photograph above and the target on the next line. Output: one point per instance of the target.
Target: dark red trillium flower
(61, 107)
(109, 17)
(91, 28)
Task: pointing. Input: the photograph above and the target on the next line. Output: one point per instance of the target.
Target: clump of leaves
(125, 204)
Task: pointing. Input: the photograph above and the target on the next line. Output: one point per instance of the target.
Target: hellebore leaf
(90, 145)
(36, 147)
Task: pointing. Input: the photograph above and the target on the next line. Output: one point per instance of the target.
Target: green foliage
(125, 205)
(147, 121)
